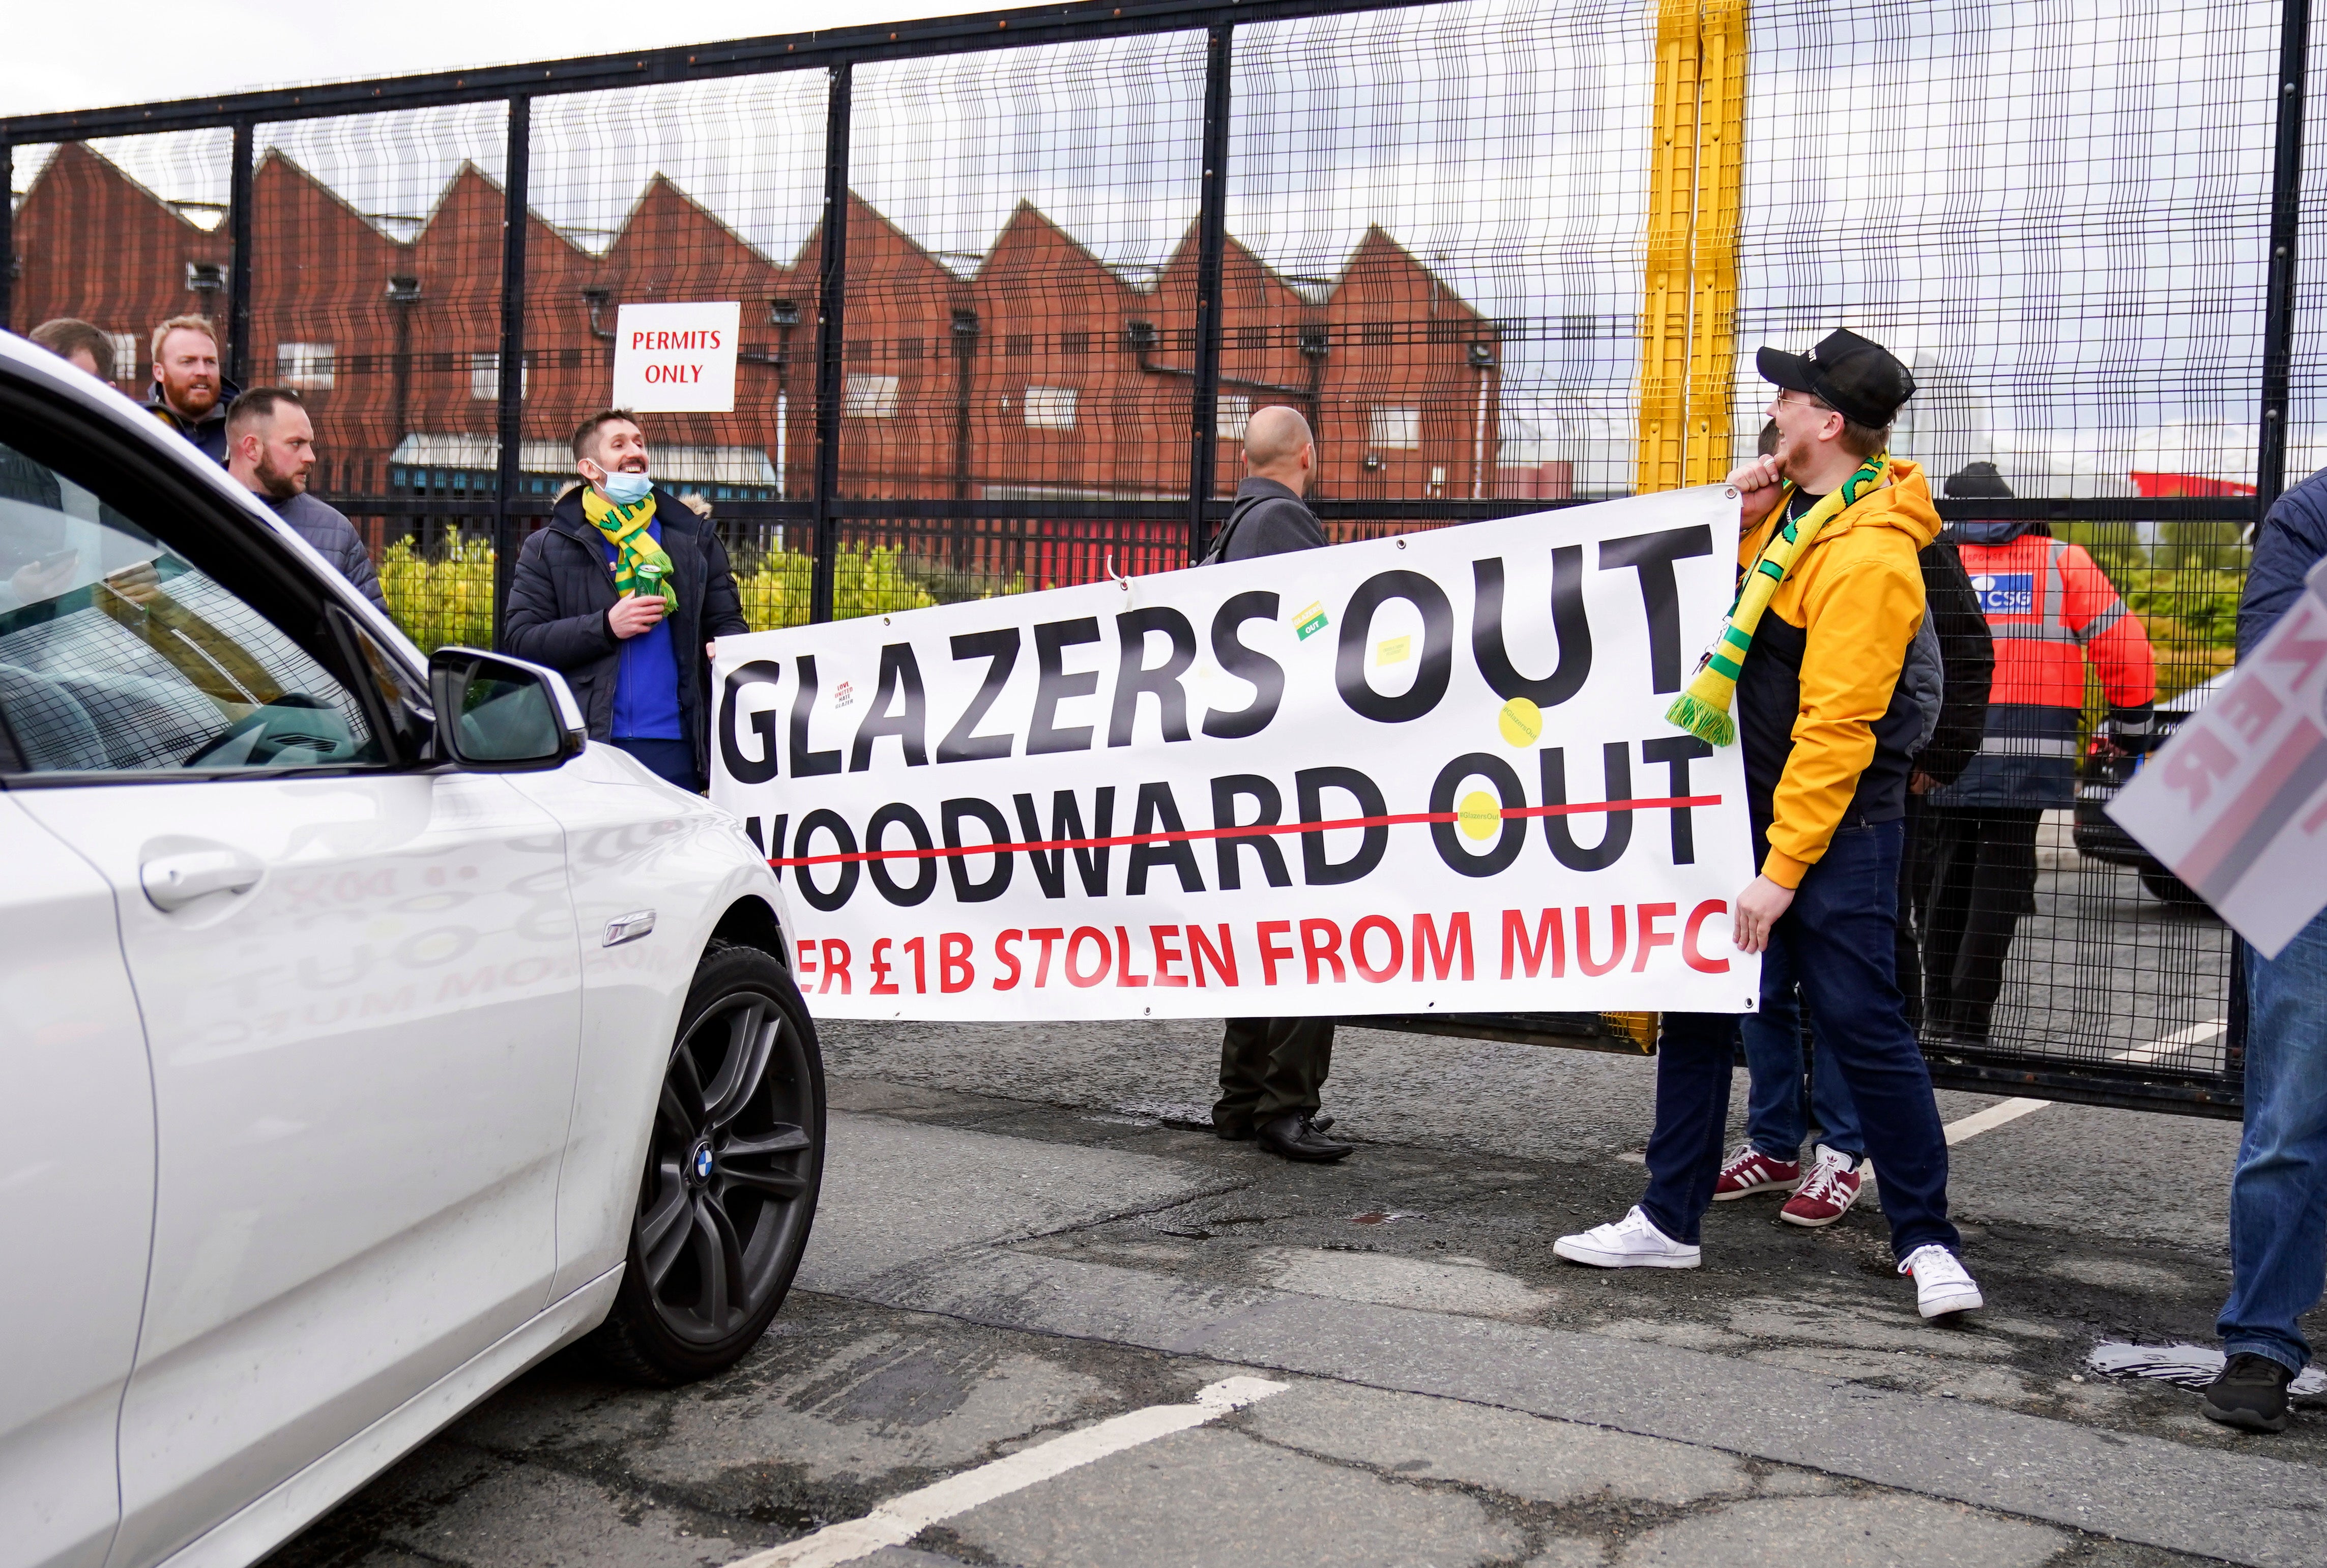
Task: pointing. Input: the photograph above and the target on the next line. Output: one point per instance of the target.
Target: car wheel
(733, 1163)
(2170, 890)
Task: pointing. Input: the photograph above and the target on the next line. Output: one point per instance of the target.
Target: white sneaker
(1942, 1285)
(1632, 1242)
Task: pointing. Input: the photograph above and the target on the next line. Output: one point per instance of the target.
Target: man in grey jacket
(270, 449)
(1272, 1068)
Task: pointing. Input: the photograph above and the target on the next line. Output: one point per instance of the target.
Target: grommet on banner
(1401, 544)
(1729, 492)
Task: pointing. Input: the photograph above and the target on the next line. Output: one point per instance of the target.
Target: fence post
(7, 235)
(831, 302)
(1212, 248)
(1665, 287)
(237, 265)
(2285, 223)
(1712, 239)
(510, 411)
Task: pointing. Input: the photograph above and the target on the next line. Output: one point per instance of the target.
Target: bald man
(1280, 460)
(1272, 1068)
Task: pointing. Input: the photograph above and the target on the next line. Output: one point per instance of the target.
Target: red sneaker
(1826, 1193)
(1749, 1170)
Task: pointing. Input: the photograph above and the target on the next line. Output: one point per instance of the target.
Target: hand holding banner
(2234, 803)
(1413, 774)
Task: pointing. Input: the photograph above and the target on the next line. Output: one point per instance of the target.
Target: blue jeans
(2278, 1196)
(671, 760)
(1836, 942)
(1775, 1123)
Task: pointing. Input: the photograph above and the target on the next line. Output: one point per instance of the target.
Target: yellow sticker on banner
(1393, 650)
(1481, 815)
(1310, 622)
(1521, 722)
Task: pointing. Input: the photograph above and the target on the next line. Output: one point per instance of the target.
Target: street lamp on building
(403, 293)
(1482, 360)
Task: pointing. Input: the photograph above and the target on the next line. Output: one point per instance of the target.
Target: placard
(1411, 774)
(676, 359)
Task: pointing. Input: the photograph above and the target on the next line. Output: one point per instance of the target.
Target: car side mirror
(497, 715)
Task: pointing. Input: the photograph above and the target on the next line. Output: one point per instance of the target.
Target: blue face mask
(627, 489)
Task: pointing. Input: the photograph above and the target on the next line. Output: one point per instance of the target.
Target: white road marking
(1996, 1116)
(1980, 1122)
(899, 1519)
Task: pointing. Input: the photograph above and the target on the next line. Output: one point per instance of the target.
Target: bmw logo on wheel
(703, 1163)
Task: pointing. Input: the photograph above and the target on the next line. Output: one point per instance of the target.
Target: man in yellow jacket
(1826, 728)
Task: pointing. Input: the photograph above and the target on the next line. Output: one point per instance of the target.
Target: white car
(366, 1034)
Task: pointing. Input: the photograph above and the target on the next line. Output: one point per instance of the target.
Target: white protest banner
(676, 359)
(2234, 803)
(1371, 778)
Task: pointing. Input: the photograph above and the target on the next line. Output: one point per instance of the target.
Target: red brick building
(1042, 374)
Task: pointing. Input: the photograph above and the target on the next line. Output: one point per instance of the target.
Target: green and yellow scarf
(640, 565)
(1703, 710)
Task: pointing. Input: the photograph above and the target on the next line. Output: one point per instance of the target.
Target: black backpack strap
(1220, 549)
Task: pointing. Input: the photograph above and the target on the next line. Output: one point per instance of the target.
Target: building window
(306, 367)
(1019, 345)
(1396, 429)
(1050, 408)
(127, 352)
(485, 377)
(869, 397)
(1235, 414)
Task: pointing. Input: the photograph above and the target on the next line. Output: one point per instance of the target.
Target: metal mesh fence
(1008, 298)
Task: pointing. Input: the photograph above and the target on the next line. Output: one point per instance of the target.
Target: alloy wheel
(731, 1169)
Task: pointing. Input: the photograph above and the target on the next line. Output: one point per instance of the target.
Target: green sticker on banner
(1310, 621)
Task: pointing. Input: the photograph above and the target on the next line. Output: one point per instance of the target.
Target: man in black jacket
(620, 592)
(188, 393)
(1272, 1069)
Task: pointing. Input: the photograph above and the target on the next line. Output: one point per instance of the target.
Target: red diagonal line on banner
(1254, 830)
(2258, 813)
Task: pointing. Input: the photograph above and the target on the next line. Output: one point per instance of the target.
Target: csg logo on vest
(2006, 592)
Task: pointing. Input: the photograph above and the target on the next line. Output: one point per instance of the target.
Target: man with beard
(625, 593)
(270, 449)
(1833, 527)
(188, 393)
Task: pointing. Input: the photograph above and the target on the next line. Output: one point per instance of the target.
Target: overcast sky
(2058, 211)
(65, 57)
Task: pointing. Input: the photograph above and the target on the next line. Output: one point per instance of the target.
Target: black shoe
(1297, 1137)
(1322, 1124)
(2250, 1392)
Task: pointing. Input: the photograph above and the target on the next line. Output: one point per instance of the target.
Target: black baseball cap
(1856, 377)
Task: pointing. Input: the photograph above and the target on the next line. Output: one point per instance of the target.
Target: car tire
(734, 1161)
(2170, 890)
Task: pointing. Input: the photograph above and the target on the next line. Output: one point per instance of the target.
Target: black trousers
(1270, 1066)
(1982, 879)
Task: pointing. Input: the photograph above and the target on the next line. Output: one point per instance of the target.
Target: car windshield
(116, 653)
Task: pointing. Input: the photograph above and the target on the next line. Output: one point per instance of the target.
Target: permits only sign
(1403, 775)
(676, 359)
(2236, 803)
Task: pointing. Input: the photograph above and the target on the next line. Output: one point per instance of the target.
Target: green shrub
(441, 599)
(447, 597)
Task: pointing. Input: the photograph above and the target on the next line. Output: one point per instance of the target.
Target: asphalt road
(1017, 1246)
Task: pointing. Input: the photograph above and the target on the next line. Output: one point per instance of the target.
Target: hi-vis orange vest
(2052, 612)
